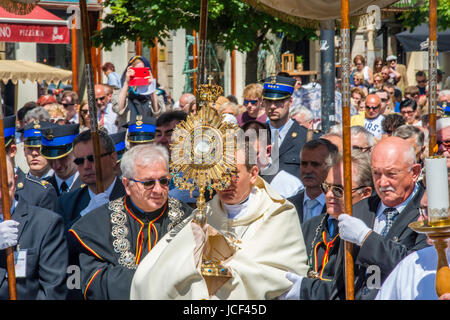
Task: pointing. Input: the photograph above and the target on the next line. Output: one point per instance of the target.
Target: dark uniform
(297, 201)
(41, 234)
(37, 192)
(70, 204)
(279, 88)
(114, 238)
(119, 142)
(56, 144)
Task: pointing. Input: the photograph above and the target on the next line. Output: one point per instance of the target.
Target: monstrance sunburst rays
(202, 155)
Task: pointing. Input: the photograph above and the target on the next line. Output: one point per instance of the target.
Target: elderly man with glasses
(114, 238)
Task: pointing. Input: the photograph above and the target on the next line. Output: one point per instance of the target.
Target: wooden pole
(233, 72)
(74, 32)
(432, 70)
(345, 40)
(91, 93)
(6, 205)
(194, 62)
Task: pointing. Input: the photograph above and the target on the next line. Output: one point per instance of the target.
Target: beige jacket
(271, 244)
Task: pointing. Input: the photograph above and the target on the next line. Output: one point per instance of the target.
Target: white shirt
(239, 210)
(281, 132)
(109, 121)
(108, 191)
(380, 220)
(374, 126)
(69, 181)
(317, 210)
(413, 278)
(286, 184)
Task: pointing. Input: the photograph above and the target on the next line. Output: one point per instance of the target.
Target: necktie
(101, 122)
(332, 227)
(391, 215)
(309, 206)
(64, 187)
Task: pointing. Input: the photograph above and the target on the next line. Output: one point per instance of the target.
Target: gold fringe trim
(20, 7)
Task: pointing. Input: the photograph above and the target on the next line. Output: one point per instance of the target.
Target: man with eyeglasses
(113, 239)
(421, 79)
(70, 102)
(253, 102)
(321, 233)
(287, 135)
(106, 116)
(373, 116)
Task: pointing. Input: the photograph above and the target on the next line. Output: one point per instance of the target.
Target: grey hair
(355, 130)
(335, 130)
(408, 131)
(299, 109)
(37, 114)
(144, 155)
(362, 163)
(331, 148)
(442, 123)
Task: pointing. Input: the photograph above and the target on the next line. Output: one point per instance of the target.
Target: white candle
(437, 189)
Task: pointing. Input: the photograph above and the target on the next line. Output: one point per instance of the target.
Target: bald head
(186, 100)
(394, 170)
(373, 106)
(100, 96)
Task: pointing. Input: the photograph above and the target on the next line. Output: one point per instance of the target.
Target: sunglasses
(100, 98)
(84, 112)
(337, 191)
(385, 100)
(65, 105)
(149, 184)
(90, 158)
(372, 108)
(246, 102)
(445, 143)
(421, 81)
(406, 112)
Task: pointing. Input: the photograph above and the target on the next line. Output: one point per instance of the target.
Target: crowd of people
(133, 237)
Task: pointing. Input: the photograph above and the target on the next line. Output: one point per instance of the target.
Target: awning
(16, 70)
(418, 39)
(37, 26)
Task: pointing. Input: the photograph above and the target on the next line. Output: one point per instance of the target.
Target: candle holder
(439, 235)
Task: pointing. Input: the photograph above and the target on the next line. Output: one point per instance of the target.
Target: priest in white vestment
(267, 235)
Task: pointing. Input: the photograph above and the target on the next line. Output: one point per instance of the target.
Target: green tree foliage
(420, 14)
(231, 23)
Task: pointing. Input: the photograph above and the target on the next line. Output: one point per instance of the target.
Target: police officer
(37, 192)
(57, 148)
(287, 135)
(119, 142)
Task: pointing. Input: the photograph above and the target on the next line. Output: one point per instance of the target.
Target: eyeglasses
(100, 98)
(84, 112)
(421, 81)
(65, 105)
(246, 102)
(337, 191)
(80, 161)
(445, 143)
(372, 108)
(406, 112)
(363, 149)
(149, 184)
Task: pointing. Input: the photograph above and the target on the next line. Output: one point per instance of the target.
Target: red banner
(34, 33)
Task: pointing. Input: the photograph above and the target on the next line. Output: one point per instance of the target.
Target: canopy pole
(432, 70)
(6, 205)
(345, 43)
(91, 93)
